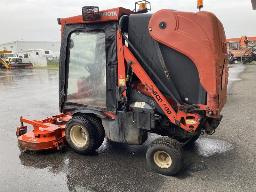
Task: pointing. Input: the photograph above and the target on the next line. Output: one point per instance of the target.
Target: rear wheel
(81, 135)
(164, 156)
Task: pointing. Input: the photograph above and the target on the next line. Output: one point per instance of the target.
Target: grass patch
(53, 66)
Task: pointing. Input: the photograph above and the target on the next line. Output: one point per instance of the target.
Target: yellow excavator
(9, 60)
(3, 62)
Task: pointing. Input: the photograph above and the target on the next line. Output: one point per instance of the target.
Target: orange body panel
(200, 37)
(121, 64)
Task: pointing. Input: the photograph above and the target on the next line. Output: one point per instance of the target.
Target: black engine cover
(184, 80)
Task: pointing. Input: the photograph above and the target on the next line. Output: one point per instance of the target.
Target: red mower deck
(47, 134)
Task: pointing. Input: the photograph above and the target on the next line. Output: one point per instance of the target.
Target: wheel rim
(79, 136)
(162, 159)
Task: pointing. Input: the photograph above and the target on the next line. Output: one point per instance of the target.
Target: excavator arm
(4, 64)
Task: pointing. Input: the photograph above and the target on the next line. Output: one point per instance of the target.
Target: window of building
(234, 45)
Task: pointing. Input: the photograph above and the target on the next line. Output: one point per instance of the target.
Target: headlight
(191, 121)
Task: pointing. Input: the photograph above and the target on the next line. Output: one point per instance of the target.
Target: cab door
(88, 67)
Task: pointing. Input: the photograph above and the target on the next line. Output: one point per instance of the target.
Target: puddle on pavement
(234, 72)
(203, 152)
(207, 147)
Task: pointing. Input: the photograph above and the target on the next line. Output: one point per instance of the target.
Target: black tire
(76, 128)
(96, 122)
(170, 153)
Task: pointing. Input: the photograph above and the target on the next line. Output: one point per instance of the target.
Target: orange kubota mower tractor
(125, 74)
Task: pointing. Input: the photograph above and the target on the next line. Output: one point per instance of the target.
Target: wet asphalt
(222, 162)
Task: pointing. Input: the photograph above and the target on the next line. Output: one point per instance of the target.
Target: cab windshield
(87, 69)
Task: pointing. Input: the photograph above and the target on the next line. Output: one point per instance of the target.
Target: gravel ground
(222, 162)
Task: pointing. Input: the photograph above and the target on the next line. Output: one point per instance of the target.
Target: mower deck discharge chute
(125, 74)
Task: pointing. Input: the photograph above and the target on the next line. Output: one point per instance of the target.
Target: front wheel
(96, 122)
(164, 156)
(81, 135)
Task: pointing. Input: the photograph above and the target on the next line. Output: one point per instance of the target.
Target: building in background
(39, 53)
(39, 57)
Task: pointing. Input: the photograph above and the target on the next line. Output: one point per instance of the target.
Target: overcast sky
(37, 19)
